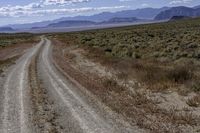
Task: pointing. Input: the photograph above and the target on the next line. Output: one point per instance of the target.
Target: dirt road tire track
(38, 98)
(44, 115)
(15, 113)
(76, 109)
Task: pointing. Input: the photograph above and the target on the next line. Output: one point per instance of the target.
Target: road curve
(14, 114)
(75, 111)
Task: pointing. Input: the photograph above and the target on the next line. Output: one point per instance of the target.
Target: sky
(27, 11)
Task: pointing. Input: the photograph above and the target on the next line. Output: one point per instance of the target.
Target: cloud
(125, 0)
(61, 2)
(49, 7)
(20, 11)
(180, 2)
(11, 10)
(145, 5)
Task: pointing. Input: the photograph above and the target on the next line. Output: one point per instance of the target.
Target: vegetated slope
(154, 69)
(172, 40)
(178, 11)
(173, 48)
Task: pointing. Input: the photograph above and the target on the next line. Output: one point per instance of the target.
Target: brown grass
(194, 102)
(6, 63)
(135, 107)
(154, 74)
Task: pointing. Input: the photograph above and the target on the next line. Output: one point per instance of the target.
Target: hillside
(6, 29)
(147, 73)
(178, 11)
(144, 13)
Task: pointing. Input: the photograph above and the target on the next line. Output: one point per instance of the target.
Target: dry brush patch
(160, 57)
(194, 101)
(12, 46)
(4, 64)
(135, 107)
(8, 40)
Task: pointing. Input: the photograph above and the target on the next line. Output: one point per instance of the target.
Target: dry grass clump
(159, 77)
(194, 102)
(180, 74)
(5, 63)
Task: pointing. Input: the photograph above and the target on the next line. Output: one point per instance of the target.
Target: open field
(11, 39)
(135, 79)
(149, 74)
(12, 46)
(172, 49)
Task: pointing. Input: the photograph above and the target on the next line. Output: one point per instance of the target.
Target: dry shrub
(194, 102)
(112, 85)
(180, 74)
(159, 77)
(135, 107)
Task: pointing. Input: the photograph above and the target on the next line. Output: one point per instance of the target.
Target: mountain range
(178, 11)
(6, 29)
(145, 13)
(126, 16)
(76, 23)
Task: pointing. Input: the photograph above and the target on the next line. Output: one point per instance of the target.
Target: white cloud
(145, 5)
(61, 2)
(48, 7)
(19, 11)
(180, 1)
(125, 0)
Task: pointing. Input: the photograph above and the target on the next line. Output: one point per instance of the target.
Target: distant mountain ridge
(178, 11)
(71, 23)
(77, 23)
(6, 29)
(145, 13)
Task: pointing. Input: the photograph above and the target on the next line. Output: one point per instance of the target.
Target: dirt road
(14, 109)
(73, 109)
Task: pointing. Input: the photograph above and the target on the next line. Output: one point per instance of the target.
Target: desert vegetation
(10, 39)
(12, 46)
(161, 59)
(159, 55)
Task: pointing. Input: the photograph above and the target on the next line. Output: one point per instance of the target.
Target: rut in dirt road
(64, 107)
(14, 115)
(78, 115)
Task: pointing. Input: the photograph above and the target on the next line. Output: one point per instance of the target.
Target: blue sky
(26, 11)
